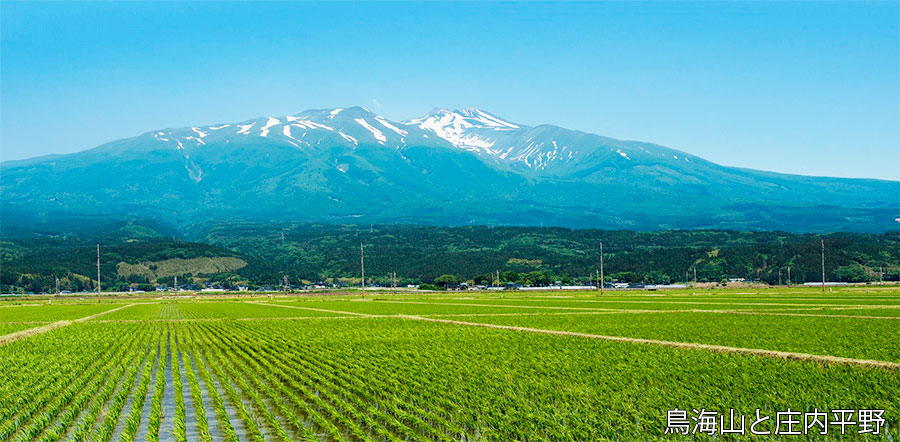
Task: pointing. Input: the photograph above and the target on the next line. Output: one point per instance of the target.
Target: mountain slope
(448, 167)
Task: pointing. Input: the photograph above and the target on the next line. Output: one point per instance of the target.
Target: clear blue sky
(809, 88)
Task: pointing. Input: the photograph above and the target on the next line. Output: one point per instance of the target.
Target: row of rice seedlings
(391, 368)
(382, 408)
(133, 421)
(300, 405)
(393, 415)
(256, 402)
(369, 410)
(170, 312)
(108, 426)
(179, 421)
(365, 412)
(238, 404)
(443, 409)
(236, 366)
(17, 404)
(112, 367)
(43, 412)
(23, 403)
(199, 409)
(11, 379)
(89, 420)
(19, 391)
(219, 406)
(416, 397)
(410, 396)
(313, 396)
(23, 411)
(159, 385)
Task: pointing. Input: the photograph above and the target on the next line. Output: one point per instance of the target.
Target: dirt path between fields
(276, 318)
(590, 310)
(313, 309)
(670, 302)
(350, 315)
(22, 334)
(726, 302)
(467, 304)
(709, 347)
(814, 315)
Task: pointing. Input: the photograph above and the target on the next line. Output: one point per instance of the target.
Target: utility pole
(779, 276)
(362, 270)
(789, 276)
(57, 286)
(285, 284)
(98, 273)
(601, 268)
(823, 265)
(695, 274)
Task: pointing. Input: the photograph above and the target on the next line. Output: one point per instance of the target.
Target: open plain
(443, 366)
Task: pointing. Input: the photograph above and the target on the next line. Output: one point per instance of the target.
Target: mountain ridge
(447, 167)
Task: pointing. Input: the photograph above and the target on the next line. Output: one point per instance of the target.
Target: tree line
(535, 256)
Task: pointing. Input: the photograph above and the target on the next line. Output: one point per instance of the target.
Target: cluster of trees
(33, 264)
(538, 256)
(529, 256)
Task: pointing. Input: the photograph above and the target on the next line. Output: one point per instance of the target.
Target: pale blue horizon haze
(808, 88)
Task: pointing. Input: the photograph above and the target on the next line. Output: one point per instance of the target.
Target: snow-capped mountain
(448, 167)
(470, 129)
(306, 130)
(542, 150)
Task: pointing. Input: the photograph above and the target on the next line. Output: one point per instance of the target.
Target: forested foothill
(147, 255)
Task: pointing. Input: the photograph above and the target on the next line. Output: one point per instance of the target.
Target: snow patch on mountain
(265, 129)
(390, 126)
(348, 138)
(375, 132)
(306, 124)
(287, 132)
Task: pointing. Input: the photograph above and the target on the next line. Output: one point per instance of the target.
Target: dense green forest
(144, 255)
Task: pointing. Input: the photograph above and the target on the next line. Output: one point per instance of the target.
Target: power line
(98, 273)
(362, 269)
(823, 265)
(600, 282)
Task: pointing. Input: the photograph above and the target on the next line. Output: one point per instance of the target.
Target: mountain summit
(447, 167)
